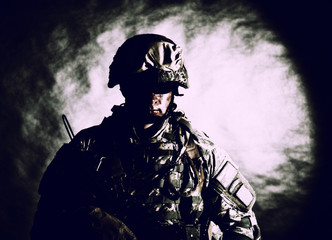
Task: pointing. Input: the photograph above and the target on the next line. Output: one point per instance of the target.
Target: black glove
(109, 227)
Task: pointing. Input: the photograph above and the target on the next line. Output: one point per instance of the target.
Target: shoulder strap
(187, 136)
(192, 149)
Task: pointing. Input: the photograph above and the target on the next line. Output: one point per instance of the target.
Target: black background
(303, 27)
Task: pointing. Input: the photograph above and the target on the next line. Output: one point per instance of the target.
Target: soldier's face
(159, 103)
(148, 104)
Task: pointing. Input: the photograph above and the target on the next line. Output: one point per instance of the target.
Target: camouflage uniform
(169, 181)
(148, 181)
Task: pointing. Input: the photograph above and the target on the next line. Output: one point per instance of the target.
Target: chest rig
(162, 175)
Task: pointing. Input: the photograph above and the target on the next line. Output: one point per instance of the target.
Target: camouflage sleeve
(231, 196)
(236, 197)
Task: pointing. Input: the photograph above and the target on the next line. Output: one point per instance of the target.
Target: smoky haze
(253, 94)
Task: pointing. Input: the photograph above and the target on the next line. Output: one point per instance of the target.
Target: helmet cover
(148, 60)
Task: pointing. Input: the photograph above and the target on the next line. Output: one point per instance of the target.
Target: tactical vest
(162, 177)
(162, 174)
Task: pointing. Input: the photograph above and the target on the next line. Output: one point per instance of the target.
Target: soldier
(145, 172)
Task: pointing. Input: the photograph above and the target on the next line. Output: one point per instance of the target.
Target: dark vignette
(26, 27)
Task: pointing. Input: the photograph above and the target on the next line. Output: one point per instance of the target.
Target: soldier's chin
(153, 117)
(156, 113)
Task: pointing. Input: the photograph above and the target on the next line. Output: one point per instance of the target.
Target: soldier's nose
(155, 99)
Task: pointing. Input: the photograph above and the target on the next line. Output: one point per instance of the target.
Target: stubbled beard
(149, 118)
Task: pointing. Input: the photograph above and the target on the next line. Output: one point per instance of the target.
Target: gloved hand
(109, 227)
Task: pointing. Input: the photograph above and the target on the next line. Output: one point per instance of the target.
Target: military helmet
(148, 61)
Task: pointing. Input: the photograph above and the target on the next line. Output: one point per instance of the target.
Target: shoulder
(86, 137)
(88, 132)
(224, 175)
(201, 139)
(69, 159)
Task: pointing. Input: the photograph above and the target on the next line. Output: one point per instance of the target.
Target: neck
(147, 130)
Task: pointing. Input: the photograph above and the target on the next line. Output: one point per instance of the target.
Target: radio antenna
(67, 126)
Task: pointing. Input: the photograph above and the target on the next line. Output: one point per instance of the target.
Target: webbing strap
(192, 150)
